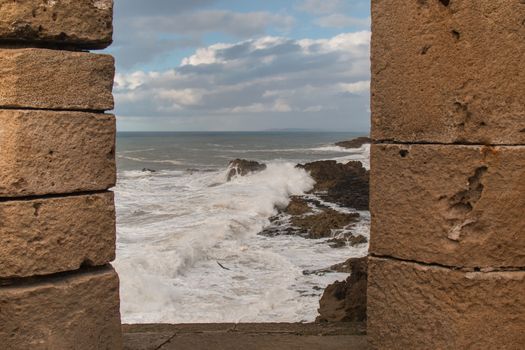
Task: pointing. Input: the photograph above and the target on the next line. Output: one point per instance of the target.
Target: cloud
(254, 84)
(342, 21)
(141, 39)
(321, 6)
(136, 8)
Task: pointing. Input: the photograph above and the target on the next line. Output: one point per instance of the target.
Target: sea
(188, 242)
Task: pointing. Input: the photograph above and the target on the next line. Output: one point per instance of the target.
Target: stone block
(452, 205)
(448, 71)
(54, 79)
(77, 311)
(413, 306)
(49, 152)
(85, 24)
(51, 235)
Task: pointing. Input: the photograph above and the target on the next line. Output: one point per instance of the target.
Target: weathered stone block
(412, 306)
(84, 23)
(53, 79)
(449, 204)
(78, 311)
(47, 152)
(448, 71)
(50, 235)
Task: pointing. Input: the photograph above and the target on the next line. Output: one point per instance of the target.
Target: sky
(239, 65)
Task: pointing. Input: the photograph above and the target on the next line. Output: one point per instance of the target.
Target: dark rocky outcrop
(244, 167)
(346, 301)
(321, 225)
(355, 143)
(344, 184)
(351, 240)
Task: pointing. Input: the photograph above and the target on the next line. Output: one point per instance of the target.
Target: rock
(346, 301)
(85, 24)
(72, 311)
(321, 225)
(298, 206)
(148, 170)
(344, 184)
(355, 143)
(416, 306)
(448, 87)
(54, 152)
(469, 200)
(350, 240)
(243, 167)
(55, 79)
(44, 236)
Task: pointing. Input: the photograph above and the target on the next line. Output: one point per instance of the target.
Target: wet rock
(321, 225)
(243, 167)
(346, 301)
(351, 240)
(355, 143)
(344, 184)
(148, 170)
(298, 206)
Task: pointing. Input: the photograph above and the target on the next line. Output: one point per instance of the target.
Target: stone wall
(447, 265)
(57, 160)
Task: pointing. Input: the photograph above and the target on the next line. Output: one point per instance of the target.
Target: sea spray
(202, 218)
(176, 224)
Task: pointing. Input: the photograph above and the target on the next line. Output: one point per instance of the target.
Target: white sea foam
(175, 227)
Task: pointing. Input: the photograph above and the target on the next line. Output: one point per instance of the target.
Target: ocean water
(177, 226)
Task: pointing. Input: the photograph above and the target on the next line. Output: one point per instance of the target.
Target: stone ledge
(448, 74)
(448, 204)
(54, 79)
(51, 235)
(413, 306)
(49, 152)
(86, 24)
(78, 311)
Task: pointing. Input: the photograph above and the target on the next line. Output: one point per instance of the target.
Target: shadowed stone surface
(46, 152)
(448, 71)
(451, 205)
(412, 306)
(50, 235)
(83, 23)
(78, 311)
(253, 336)
(53, 79)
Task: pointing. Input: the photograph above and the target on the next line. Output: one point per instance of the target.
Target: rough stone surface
(53, 79)
(50, 235)
(79, 311)
(449, 204)
(448, 71)
(84, 23)
(46, 152)
(253, 336)
(412, 306)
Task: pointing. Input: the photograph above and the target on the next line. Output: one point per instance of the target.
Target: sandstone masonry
(447, 265)
(77, 311)
(57, 160)
(48, 152)
(48, 235)
(55, 79)
(86, 24)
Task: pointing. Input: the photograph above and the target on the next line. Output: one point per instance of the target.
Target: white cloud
(306, 82)
(357, 87)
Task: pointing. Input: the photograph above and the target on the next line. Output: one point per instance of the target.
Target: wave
(171, 225)
(147, 160)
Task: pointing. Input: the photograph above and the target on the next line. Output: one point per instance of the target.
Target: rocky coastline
(328, 213)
